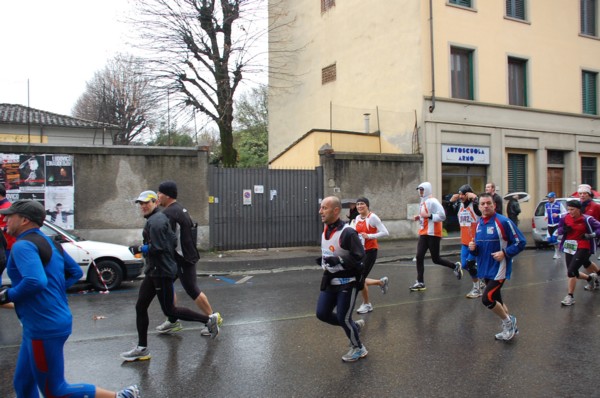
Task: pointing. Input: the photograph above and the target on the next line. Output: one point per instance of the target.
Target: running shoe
(129, 392)
(167, 327)
(355, 354)
(137, 354)
(556, 256)
(213, 325)
(591, 284)
(418, 287)
(364, 308)
(220, 321)
(481, 285)
(458, 272)
(204, 331)
(384, 287)
(500, 336)
(568, 300)
(360, 324)
(509, 329)
(475, 292)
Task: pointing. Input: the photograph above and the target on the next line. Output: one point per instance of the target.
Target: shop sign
(465, 154)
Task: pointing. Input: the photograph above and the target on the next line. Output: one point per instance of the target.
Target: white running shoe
(568, 300)
(136, 354)
(384, 287)
(167, 327)
(364, 308)
(355, 354)
(475, 292)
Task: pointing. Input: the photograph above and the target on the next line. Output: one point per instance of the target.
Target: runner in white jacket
(431, 216)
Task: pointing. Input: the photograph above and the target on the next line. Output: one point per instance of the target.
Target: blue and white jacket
(493, 234)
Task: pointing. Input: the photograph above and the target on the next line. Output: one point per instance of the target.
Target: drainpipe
(432, 106)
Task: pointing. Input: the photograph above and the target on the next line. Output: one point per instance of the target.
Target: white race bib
(570, 246)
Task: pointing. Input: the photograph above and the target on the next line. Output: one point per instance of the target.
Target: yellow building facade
(487, 90)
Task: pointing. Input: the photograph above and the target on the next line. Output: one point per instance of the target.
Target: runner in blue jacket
(40, 273)
(497, 241)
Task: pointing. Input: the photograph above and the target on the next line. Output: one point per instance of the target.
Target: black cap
(464, 189)
(168, 188)
(574, 203)
(31, 209)
(364, 200)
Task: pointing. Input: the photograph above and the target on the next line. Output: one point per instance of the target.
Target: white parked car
(114, 262)
(539, 223)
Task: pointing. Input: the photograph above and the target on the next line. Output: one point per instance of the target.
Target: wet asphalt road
(435, 343)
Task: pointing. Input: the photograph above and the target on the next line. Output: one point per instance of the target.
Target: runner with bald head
(341, 258)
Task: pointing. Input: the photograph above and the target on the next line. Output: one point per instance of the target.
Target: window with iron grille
(588, 171)
(461, 73)
(589, 17)
(328, 74)
(589, 92)
(517, 172)
(556, 157)
(464, 3)
(327, 4)
(517, 81)
(515, 9)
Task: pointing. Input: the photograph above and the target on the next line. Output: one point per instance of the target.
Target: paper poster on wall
(59, 206)
(45, 178)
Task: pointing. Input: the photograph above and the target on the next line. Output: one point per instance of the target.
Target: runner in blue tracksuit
(497, 241)
(554, 211)
(40, 274)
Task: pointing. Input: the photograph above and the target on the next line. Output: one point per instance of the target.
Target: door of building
(555, 181)
(453, 177)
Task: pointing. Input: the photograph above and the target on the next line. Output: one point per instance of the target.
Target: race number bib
(570, 246)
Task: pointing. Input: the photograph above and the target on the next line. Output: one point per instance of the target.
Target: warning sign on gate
(247, 197)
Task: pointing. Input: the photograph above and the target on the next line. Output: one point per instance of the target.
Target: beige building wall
(549, 40)
(377, 55)
(383, 56)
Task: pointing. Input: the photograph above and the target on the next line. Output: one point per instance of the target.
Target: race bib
(570, 246)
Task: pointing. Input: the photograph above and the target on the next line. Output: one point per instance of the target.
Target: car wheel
(111, 274)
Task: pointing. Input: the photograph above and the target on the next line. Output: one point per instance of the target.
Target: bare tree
(121, 95)
(201, 50)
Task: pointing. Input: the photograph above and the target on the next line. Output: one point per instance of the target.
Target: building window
(464, 3)
(556, 158)
(517, 81)
(328, 74)
(517, 172)
(589, 92)
(462, 73)
(588, 9)
(515, 9)
(588, 171)
(326, 5)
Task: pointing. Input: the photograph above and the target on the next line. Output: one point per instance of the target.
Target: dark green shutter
(517, 173)
(465, 3)
(589, 90)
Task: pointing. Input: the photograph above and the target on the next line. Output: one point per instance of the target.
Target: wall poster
(45, 178)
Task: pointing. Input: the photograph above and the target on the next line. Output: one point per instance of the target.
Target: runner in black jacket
(186, 256)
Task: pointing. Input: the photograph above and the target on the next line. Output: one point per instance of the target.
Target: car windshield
(51, 230)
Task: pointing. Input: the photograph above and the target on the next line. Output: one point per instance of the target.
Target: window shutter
(515, 9)
(517, 173)
(589, 90)
(588, 17)
(464, 3)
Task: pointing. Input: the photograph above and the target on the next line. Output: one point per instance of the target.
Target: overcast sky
(57, 45)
